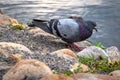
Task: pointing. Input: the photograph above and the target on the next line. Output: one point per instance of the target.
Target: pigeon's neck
(84, 32)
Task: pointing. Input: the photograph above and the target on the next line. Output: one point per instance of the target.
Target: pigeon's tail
(37, 23)
(38, 20)
(43, 24)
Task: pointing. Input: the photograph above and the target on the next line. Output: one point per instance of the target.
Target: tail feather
(38, 20)
(43, 24)
(37, 23)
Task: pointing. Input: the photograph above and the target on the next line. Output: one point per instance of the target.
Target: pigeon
(70, 30)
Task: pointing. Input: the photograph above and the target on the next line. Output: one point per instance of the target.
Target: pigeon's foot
(74, 46)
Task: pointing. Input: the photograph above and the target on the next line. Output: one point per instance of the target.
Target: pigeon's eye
(65, 35)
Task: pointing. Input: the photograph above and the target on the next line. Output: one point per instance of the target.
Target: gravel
(54, 61)
(38, 43)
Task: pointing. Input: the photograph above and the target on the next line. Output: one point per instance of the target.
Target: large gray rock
(113, 53)
(92, 51)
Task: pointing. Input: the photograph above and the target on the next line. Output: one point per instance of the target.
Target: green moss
(99, 44)
(96, 66)
(100, 66)
(17, 26)
(68, 73)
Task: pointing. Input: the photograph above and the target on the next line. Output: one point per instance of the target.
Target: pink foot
(74, 46)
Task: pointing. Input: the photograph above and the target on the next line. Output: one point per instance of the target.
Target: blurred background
(106, 13)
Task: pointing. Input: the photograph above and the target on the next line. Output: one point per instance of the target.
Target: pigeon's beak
(95, 29)
(93, 24)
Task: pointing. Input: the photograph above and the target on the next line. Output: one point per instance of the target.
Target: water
(106, 13)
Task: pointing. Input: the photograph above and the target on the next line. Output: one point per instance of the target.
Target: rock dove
(70, 30)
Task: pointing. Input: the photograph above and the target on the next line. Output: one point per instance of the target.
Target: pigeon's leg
(74, 46)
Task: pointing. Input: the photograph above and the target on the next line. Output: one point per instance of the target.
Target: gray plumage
(73, 29)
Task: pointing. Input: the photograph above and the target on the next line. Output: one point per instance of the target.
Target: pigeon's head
(91, 25)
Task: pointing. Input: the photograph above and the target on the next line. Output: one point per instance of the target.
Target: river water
(106, 13)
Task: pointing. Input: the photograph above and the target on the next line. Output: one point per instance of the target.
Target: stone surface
(9, 58)
(57, 77)
(6, 20)
(84, 67)
(115, 73)
(7, 61)
(63, 59)
(39, 42)
(87, 76)
(26, 69)
(92, 50)
(63, 52)
(66, 59)
(4, 67)
(113, 53)
(14, 48)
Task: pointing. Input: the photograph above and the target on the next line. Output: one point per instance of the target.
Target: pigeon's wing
(72, 30)
(43, 24)
(69, 30)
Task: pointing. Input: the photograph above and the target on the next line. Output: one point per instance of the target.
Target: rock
(38, 43)
(88, 76)
(115, 73)
(36, 30)
(63, 59)
(26, 69)
(62, 52)
(85, 77)
(14, 48)
(4, 67)
(10, 54)
(6, 20)
(113, 53)
(84, 67)
(57, 77)
(9, 58)
(66, 60)
(92, 50)
(7, 61)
